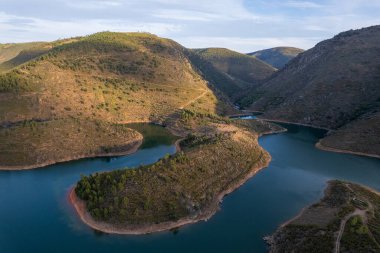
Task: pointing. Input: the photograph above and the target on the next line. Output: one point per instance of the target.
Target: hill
(232, 72)
(277, 57)
(346, 219)
(215, 158)
(116, 78)
(12, 55)
(334, 85)
(11, 50)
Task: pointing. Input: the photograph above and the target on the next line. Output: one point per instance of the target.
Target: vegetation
(357, 238)
(309, 91)
(184, 185)
(116, 77)
(23, 57)
(277, 57)
(361, 135)
(230, 72)
(33, 144)
(240, 66)
(316, 229)
(10, 51)
(13, 82)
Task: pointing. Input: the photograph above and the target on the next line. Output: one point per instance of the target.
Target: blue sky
(242, 25)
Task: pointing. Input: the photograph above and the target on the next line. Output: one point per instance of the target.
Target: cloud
(246, 45)
(303, 4)
(92, 5)
(19, 28)
(243, 25)
(185, 15)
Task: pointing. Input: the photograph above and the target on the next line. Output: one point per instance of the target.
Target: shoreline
(320, 146)
(81, 211)
(294, 123)
(270, 239)
(132, 150)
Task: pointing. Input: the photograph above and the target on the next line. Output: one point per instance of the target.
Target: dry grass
(180, 186)
(32, 144)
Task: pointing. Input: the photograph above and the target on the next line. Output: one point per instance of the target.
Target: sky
(241, 25)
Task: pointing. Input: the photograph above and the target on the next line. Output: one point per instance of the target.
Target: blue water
(35, 215)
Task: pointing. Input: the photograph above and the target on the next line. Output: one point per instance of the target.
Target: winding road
(357, 212)
(195, 99)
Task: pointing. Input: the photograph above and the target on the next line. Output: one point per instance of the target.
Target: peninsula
(347, 219)
(216, 157)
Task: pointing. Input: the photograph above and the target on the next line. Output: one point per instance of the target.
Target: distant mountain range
(277, 57)
(335, 85)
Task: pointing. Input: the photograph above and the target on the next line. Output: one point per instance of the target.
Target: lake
(35, 214)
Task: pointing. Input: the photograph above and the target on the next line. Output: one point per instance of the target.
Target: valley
(134, 134)
(334, 85)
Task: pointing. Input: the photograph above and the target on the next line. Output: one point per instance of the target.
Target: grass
(33, 143)
(11, 50)
(231, 72)
(277, 57)
(316, 229)
(115, 77)
(356, 237)
(309, 91)
(14, 82)
(241, 66)
(179, 186)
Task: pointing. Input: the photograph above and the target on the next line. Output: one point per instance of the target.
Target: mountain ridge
(106, 78)
(331, 85)
(277, 57)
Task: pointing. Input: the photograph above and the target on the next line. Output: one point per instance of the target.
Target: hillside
(216, 158)
(11, 50)
(231, 71)
(13, 55)
(33, 144)
(346, 219)
(109, 77)
(333, 85)
(277, 57)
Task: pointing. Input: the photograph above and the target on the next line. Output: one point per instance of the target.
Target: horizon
(240, 25)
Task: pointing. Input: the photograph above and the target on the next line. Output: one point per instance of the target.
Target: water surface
(35, 214)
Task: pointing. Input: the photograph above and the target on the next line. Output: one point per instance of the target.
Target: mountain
(277, 57)
(115, 78)
(99, 75)
(334, 85)
(232, 72)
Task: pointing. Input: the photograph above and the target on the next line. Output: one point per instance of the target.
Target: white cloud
(243, 25)
(246, 45)
(303, 4)
(92, 5)
(185, 15)
(43, 29)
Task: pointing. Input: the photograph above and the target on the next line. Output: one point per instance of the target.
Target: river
(35, 215)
